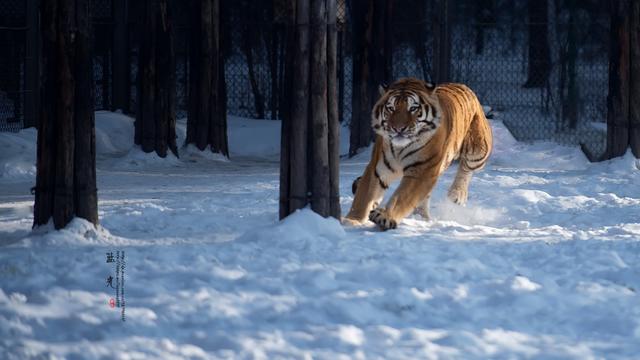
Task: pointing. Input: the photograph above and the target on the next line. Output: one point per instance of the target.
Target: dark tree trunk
(634, 88)
(66, 175)
(155, 126)
(207, 119)
(319, 129)
(539, 65)
(272, 44)
(248, 42)
(121, 84)
(309, 151)
(484, 16)
(32, 65)
(288, 72)
(570, 105)
(619, 74)
(360, 126)
(372, 51)
(333, 113)
(273, 69)
(442, 41)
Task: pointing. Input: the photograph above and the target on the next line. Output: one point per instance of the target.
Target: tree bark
(248, 41)
(442, 42)
(570, 104)
(619, 74)
(539, 64)
(286, 108)
(634, 88)
(333, 100)
(207, 118)
(309, 131)
(360, 126)
(121, 84)
(156, 116)
(298, 186)
(372, 65)
(319, 114)
(66, 176)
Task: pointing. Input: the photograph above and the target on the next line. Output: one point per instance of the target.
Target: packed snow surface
(544, 261)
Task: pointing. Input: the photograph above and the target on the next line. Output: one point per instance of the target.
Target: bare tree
(372, 51)
(619, 65)
(309, 149)
(634, 87)
(155, 126)
(66, 172)
(539, 64)
(207, 120)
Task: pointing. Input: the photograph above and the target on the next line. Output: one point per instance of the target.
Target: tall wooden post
(361, 104)
(290, 47)
(207, 119)
(32, 60)
(442, 42)
(155, 126)
(539, 56)
(120, 57)
(332, 108)
(66, 175)
(619, 75)
(309, 149)
(634, 97)
(372, 65)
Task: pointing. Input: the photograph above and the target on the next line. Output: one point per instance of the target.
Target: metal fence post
(120, 61)
(31, 73)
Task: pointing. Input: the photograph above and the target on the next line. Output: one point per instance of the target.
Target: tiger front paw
(381, 218)
(350, 222)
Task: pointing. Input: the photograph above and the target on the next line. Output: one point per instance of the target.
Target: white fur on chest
(395, 159)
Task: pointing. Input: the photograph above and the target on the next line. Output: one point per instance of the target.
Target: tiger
(420, 129)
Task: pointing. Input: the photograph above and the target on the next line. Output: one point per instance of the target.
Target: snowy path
(544, 262)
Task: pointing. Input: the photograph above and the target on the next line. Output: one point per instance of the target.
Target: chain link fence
(540, 66)
(13, 26)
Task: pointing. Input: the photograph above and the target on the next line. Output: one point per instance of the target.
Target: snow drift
(541, 263)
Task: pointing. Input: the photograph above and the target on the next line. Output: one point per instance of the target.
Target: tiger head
(407, 110)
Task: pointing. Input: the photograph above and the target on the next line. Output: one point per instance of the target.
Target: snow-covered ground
(544, 262)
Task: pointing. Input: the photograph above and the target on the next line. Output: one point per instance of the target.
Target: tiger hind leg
(469, 163)
(474, 154)
(423, 209)
(459, 190)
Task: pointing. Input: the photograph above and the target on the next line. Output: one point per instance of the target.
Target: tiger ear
(382, 88)
(429, 85)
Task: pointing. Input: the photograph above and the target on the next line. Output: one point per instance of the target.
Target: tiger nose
(399, 128)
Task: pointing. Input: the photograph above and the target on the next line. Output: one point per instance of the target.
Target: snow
(543, 262)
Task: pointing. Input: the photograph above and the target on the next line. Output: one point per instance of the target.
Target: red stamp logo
(112, 302)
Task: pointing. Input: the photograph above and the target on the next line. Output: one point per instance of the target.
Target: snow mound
(79, 232)
(18, 155)
(114, 133)
(135, 158)
(192, 153)
(540, 155)
(304, 230)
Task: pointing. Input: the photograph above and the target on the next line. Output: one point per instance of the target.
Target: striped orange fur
(420, 129)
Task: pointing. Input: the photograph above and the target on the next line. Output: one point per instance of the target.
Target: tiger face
(406, 111)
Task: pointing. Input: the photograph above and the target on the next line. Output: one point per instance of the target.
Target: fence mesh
(540, 66)
(12, 63)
